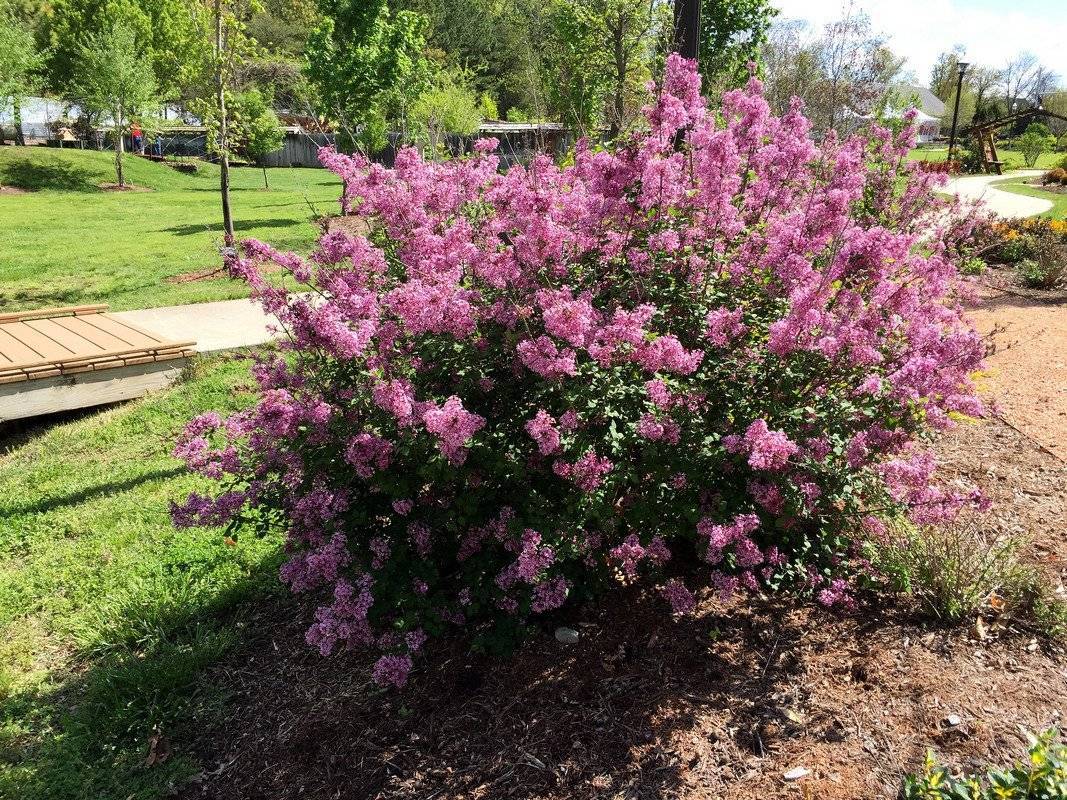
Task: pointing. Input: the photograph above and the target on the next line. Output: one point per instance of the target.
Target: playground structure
(983, 134)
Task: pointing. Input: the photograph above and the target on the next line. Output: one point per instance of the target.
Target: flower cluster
(516, 387)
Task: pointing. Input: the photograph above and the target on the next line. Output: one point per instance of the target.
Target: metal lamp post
(956, 109)
(687, 28)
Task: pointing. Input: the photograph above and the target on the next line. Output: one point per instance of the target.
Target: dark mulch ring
(1056, 188)
(1006, 278)
(128, 187)
(718, 705)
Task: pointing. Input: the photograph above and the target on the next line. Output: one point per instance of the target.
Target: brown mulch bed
(1055, 188)
(718, 705)
(12, 190)
(1028, 368)
(129, 187)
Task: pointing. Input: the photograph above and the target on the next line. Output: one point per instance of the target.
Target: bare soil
(717, 705)
(129, 187)
(1028, 368)
(12, 190)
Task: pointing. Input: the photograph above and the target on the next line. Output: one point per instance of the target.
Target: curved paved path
(1006, 204)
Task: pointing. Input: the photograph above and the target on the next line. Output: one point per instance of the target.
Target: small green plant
(1042, 777)
(1017, 249)
(952, 570)
(972, 266)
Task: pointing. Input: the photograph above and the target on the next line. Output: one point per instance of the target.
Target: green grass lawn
(107, 614)
(1022, 186)
(1013, 159)
(68, 242)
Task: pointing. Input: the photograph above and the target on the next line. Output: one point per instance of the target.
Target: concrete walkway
(972, 188)
(216, 326)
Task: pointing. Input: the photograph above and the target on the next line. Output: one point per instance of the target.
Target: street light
(956, 110)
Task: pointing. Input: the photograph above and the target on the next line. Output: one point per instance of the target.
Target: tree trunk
(119, 147)
(16, 108)
(619, 102)
(224, 155)
(264, 167)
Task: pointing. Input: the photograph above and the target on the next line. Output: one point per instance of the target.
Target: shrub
(1042, 777)
(1047, 269)
(1016, 248)
(951, 570)
(1034, 141)
(1054, 176)
(709, 354)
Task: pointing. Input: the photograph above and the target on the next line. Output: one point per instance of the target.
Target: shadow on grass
(25, 300)
(91, 734)
(238, 225)
(88, 493)
(51, 174)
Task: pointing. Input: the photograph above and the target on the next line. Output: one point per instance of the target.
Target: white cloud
(921, 29)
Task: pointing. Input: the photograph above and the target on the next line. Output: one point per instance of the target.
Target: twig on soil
(1032, 440)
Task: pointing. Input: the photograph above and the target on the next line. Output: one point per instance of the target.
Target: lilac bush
(710, 354)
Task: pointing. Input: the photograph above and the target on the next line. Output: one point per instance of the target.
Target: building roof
(929, 103)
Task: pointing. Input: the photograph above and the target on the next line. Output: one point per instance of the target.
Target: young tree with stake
(116, 79)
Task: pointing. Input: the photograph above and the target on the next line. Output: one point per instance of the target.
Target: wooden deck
(62, 358)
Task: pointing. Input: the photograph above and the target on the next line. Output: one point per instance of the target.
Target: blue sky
(992, 31)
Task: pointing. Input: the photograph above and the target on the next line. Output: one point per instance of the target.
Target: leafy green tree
(164, 33)
(449, 107)
(255, 128)
(19, 69)
(571, 67)
(115, 78)
(213, 79)
(1036, 139)
(367, 66)
(731, 34)
(595, 59)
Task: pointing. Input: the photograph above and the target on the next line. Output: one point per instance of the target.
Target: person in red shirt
(138, 138)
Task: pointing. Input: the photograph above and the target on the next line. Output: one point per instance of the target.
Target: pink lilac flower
(587, 472)
(542, 429)
(453, 426)
(368, 452)
(767, 449)
(666, 354)
(658, 393)
(549, 595)
(723, 325)
(680, 598)
(392, 670)
(568, 421)
(543, 357)
(419, 533)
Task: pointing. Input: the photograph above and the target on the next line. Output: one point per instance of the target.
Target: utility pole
(687, 28)
(962, 65)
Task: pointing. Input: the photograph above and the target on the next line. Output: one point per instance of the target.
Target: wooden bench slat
(74, 344)
(14, 352)
(44, 348)
(125, 331)
(80, 326)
